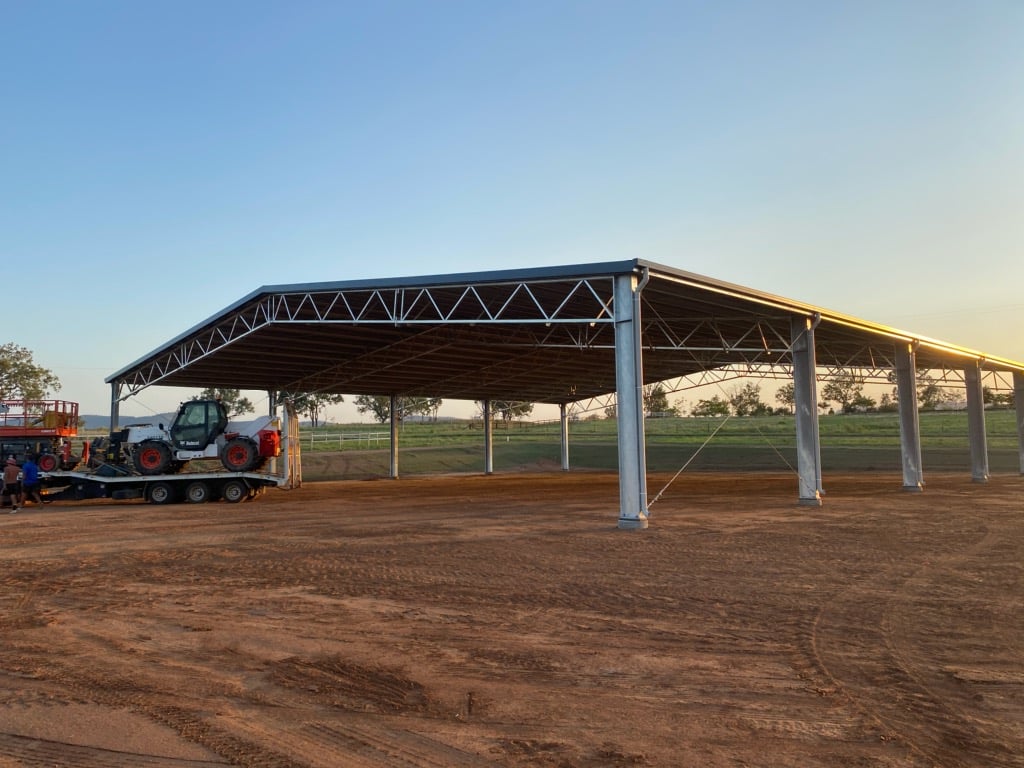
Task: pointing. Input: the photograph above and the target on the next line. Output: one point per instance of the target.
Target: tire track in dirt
(122, 692)
(34, 751)
(486, 621)
(359, 742)
(899, 687)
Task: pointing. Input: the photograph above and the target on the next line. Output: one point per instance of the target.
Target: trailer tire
(234, 491)
(161, 493)
(239, 455)
(152, 457)
(197, 492)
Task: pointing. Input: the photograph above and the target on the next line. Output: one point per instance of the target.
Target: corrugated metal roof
(537, 335)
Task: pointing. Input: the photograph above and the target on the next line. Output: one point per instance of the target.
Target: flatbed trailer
(191, 487)
(97, 478)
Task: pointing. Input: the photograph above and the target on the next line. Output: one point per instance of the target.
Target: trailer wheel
(197, 492)
(47, 462)
(234, 491)
(239, 455)
(161, 493)
(152, 457)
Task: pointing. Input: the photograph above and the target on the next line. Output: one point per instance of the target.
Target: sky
(159, 160)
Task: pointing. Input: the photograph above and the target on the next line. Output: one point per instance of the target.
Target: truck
(201, 457)
(40, 427)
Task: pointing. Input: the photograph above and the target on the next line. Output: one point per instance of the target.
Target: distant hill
(93, 421)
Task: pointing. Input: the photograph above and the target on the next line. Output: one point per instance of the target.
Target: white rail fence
(348, 439)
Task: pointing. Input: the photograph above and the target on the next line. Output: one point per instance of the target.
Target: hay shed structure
(564, 335)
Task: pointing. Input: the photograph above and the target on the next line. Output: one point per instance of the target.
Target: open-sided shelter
(562, 335)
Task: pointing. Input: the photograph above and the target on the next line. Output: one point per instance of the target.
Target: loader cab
(198, 424)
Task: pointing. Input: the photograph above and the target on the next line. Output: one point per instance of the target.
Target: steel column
(1018, 404)
(115, 406)
(629, 383)
(976, 424)
(394, 437)
(910, 427)
(488, 439)
(563, 419)
(805, 393)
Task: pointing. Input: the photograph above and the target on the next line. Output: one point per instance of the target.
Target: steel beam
(629, 382)
(805, 392)
(910, 428)
(976, 423)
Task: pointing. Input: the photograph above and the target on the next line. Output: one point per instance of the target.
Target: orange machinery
(38, 418)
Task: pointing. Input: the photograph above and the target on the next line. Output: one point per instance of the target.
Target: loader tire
(239, 455)
(152, 457)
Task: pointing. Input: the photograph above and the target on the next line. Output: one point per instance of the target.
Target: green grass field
(869, 442)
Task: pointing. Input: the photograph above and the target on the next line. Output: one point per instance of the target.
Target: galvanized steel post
(805, 394)
(394, 437)
(629, 382)
(910, 427)
(488, 439)
(1018, 404)
(976, 423)
(115, 405)
(564, 423)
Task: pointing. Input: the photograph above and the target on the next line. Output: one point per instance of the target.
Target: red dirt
(504, 620)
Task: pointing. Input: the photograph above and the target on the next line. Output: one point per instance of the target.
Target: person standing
(30, 485)
(12, 485)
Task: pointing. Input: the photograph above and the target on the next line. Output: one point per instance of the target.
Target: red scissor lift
(42, 427)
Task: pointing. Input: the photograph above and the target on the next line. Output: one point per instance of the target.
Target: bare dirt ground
(506, 621)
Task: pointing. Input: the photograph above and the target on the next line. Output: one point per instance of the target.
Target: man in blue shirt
(30, 484)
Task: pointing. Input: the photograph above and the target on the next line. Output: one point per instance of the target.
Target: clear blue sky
(162, 159)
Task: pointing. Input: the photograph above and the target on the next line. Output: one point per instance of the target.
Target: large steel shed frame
(563, 335)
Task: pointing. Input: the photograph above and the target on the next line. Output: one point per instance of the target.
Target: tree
(508, 409)
(656, 401)
(929, 393)
(311, 404)
(430, 407)
(716, 406)
(787, 396)
(380, 406)
(20, 377)
(844, 389)
(232, 399)
(889, 403)
(746, 401)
